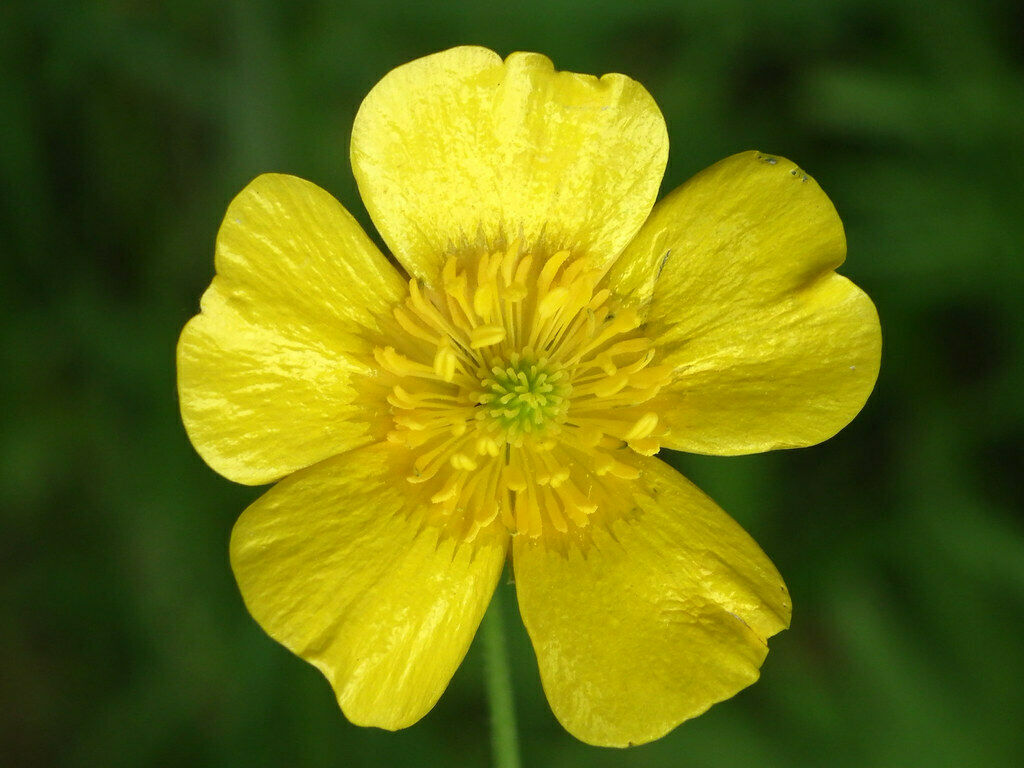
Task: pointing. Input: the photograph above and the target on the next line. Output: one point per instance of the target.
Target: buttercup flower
(503, 393)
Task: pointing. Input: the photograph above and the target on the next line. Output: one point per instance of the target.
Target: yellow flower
(505, 396)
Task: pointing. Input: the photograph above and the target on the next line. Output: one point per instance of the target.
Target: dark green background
(125, 129)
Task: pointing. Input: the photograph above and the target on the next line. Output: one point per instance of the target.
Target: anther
(486, 336)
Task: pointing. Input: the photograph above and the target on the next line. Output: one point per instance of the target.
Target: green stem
(504, 738)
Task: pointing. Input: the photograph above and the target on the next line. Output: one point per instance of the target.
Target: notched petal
(272, 374)
(461, 150)
(336, 564)
(654, 617)
(769, 347)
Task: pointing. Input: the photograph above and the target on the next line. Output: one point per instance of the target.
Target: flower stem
(504, 738)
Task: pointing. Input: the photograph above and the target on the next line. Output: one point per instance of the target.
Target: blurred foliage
(126, 128)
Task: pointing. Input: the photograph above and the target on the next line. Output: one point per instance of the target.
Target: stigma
(518, 386)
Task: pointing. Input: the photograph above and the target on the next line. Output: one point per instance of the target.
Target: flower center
(518, 387)
(523, 397)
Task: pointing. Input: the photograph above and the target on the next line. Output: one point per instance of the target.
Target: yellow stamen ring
(518, 389)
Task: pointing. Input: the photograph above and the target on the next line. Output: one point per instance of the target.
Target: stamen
(644, 427)
(486, 336)
(445, 362)
(519, 394)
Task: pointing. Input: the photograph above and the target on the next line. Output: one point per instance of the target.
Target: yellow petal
(270, 374)
(770, 348)
(657, 619)
(458, 148)
(335, 564)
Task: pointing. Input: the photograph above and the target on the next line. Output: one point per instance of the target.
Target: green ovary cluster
(523, 396)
